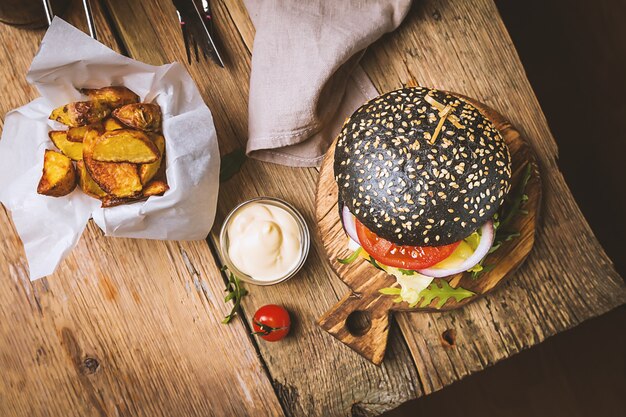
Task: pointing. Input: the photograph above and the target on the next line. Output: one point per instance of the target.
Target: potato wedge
(125, 145)
(86, 183)
(110, 123)
(76, 134)
(58, 177)
(112, 96)
(144, 116)
(112, 201)
(156, 187)
(148, 171)
(118, 179)
(73, 150)
(80, 113)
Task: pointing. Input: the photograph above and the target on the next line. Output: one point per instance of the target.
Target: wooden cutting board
(361, 318)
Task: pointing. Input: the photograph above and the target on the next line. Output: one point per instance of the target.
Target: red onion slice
(486, 240)
(349, 225)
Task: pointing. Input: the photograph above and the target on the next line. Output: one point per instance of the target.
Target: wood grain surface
(125, 326)
(364, 299)
(318, 388)
(131, 327)
(464, 47)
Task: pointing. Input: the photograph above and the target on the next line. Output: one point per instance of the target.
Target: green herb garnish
(350, 258)
(479, 268)
(235, 292)
(439, 288)
(231, 164)
(476, 269)
(443, 293)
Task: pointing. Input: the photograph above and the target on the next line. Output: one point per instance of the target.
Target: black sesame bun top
(421, 167)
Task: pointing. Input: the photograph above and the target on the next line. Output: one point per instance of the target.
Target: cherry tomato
(405, 257)
(271, 322)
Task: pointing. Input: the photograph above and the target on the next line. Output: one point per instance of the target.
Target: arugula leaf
(235, 292)
(350, 258)
(496, 221)
(406, 271)
(505, 236)
(441, 290)
(231, 164)
(494, 247)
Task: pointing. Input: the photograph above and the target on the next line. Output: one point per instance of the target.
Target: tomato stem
(265, 328)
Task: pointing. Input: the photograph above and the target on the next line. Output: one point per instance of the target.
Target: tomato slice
(405, 257)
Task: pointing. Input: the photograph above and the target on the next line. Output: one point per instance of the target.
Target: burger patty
(421, 167)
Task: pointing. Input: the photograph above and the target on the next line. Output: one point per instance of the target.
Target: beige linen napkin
(305, 76)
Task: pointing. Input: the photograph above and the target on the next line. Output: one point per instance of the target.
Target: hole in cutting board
(448, 338)
(359, 322)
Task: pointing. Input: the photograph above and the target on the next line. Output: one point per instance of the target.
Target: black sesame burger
(421, 174)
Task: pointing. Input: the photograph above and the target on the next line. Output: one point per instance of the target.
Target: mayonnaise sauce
(264, 241)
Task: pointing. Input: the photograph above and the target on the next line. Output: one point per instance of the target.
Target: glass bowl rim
(304, 235)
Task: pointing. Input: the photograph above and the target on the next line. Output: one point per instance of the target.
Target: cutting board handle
(361, 321)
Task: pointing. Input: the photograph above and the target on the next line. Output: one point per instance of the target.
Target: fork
(183, 29)
(195, 27)
(190, 37)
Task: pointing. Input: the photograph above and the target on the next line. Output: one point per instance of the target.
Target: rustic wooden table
(132, 327)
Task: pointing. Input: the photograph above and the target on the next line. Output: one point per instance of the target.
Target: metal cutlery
(89, 15)
(206, 17)
(186, 36)
(47, 5)
(197, 29)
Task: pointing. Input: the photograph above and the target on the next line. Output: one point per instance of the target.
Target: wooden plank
(125, 326)
(313, 375)
(460, 47)
(333, 381)
(464, 47)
